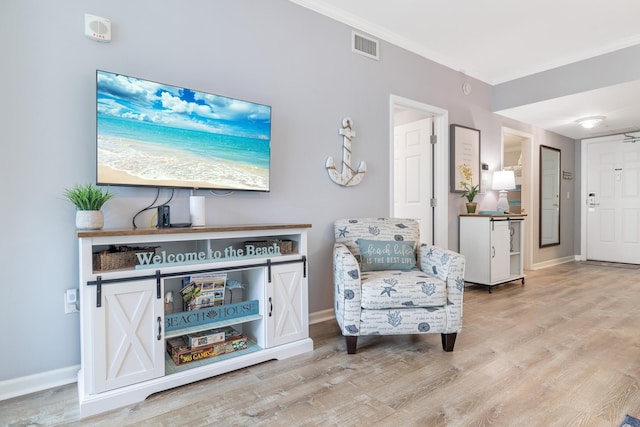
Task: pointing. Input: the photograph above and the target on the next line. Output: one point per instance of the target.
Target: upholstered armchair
(387, 283)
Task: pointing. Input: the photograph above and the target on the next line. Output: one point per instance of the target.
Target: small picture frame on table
(464, 149)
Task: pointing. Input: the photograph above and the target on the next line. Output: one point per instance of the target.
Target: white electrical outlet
(71, 301)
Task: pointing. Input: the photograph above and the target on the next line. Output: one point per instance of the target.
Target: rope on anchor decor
(348, 177)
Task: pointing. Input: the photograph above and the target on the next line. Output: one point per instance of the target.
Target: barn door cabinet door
(128, 344)
(287, 308)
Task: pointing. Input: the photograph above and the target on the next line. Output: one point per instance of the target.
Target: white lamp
(503, 181)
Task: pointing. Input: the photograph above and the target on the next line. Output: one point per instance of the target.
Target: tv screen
(153, 134)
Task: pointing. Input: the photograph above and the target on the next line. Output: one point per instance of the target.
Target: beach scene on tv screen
(161, 135)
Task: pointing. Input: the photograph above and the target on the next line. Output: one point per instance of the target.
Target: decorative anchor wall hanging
(348, 176)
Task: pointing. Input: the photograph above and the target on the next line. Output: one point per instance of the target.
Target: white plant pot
(89, 220)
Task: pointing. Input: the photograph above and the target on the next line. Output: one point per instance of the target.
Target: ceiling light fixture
(590, 122)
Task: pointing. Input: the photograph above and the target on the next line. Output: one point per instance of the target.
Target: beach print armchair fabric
(387, 283)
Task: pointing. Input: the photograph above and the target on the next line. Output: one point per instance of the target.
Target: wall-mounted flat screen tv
(153, 134)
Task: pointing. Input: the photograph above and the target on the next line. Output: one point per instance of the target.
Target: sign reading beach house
(153, 260)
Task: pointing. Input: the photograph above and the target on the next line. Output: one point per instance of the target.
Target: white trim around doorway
(441, 160)
(527, 194)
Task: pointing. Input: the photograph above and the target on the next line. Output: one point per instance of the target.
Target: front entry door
(613, 201)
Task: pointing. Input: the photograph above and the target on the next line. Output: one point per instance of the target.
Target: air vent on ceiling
(365, 45)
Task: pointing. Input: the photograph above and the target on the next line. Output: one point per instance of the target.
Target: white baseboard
(553, 262)
(37, 382)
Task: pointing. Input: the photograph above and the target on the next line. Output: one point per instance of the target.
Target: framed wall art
(465, 157)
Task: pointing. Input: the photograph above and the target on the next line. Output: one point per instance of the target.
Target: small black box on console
(164, 217)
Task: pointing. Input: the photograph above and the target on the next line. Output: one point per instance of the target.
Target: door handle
(159, 328)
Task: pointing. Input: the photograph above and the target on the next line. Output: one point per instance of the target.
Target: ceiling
(501, 40)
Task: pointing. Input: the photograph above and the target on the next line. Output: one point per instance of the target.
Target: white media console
(128, 313)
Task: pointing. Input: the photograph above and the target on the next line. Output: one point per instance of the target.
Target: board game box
(203, 338)
(181, 353)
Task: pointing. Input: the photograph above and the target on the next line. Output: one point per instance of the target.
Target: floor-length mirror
(549, 196)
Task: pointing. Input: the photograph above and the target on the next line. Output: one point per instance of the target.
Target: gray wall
(272, 52)
(569, 216)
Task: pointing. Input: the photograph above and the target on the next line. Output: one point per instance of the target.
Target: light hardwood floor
(563, 350)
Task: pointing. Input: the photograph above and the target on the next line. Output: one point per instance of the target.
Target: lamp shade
(503, 180)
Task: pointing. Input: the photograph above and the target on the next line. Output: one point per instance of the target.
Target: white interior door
(613, 201)
(413, 183)
(403, 111)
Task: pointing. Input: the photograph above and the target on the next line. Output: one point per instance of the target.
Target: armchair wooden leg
(448, 341)
(352, 341)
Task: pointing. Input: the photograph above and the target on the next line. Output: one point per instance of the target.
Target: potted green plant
(470, 191)
(88, 200)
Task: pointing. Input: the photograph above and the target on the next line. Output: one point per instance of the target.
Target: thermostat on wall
(97, 28)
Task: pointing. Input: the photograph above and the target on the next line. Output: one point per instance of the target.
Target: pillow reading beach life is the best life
(386, 255)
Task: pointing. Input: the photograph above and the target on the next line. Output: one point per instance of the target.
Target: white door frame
(583, 191)
(441, 161)
(526, 194)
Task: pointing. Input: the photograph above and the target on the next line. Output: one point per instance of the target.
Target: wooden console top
(179, 230)
(504, 215)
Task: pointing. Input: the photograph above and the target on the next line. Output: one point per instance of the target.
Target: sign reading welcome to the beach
(152, 259)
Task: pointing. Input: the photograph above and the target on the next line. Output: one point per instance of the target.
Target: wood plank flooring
(563, 350)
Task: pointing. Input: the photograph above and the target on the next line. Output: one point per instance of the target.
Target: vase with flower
(470, 191)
